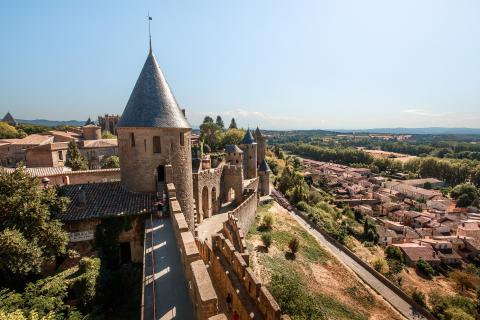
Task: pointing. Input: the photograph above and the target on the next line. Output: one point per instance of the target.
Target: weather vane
(149, 33)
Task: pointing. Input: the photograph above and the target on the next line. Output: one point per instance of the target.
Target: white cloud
(426, 113)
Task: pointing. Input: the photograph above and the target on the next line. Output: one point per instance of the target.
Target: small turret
(261, 145)
(249, 147)
(264, 174)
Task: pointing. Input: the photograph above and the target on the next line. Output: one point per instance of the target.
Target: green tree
(294, 245)
(419, 297)
(267, 240)
(111, 162)
(211, 135)
(233, 124)
(108, 135)
(424, 268)
(465, 194)
(219, 122)
(233, 136)
(394, 252)
(207, 119)
(9, 132)
(28, 233)
(75, 160)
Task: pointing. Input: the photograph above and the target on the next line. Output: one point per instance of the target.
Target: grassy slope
(331, 290)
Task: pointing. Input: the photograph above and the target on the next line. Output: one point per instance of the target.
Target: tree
(28, 233)
(233, 136)
(424, 268)
(211, 135)
(207, 119)
(267, 240)
(9, 132)
(463, 280)
(219, 122)
(268, 222)
(75, 160)
(465, 194)
(111, 162)
(380, 265)
(233, 124)
(394, 252)
(294, 245)
(419, 297)
(108, 135)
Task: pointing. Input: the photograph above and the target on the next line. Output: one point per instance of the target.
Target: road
(165, 288)
(396, 301)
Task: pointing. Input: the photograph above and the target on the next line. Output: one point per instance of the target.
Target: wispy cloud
(426, 113)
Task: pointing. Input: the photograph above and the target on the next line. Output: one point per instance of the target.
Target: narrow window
(132, 139)
(60, 155)
(157, 146)
(145, 144)
(182, 139)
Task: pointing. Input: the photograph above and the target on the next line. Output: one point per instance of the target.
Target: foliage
(30, 236)
(342, 156)
(293, 185)
(232, 136)
(380, 265)
(33, 128)
(370, 231)
(74, 159)
(108, 135)
(425, 269)
(207, 119)
(419, 297)
(111, 162)
(211, 135)
(219, 122)
(394, 253)
(464, 280)
(294, 245)
(9, 132)
(447, 307)
(267, 240)
(273, 164)
(233, 124)
(466, 194)
(268, 221)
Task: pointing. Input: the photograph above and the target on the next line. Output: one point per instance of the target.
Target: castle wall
(264, 183)
(245, 212)
(139, 162)
(85, 176)
(232, 179)
(249, 160)
(208, 181)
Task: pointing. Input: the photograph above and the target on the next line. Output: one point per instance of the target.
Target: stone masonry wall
(85, 176)
(232, 179)
(245, 212)
(211, 180)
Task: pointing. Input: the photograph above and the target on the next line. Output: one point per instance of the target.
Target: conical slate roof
(264, 166)
(151, 103)
(9, 119)
(232, 148)
(89, 122)
(248, 138)
(258, 133)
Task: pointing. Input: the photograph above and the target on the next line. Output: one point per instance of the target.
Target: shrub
(380, 265)
(419, 297)
(268, 221)
(294, 245)
(425, 269)
(267, 240)
(394, 253)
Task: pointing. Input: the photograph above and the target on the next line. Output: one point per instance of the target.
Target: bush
(419, 297)
(111, 162)
(394, 253)
(267, 240)
(380, 265)
(268, 221)
(425, 269)
(294, 245)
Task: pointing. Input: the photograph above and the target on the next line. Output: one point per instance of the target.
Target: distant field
(391, 155)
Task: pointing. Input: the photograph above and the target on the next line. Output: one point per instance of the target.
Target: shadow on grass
(289, 256)
(263, 228)
(261, 248)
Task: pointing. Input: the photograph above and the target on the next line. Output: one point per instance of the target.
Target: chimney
(82, 197)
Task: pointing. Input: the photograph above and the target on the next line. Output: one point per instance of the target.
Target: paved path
(401, 305)
(165, 287)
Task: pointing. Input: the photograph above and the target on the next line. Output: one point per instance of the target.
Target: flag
(149, 18)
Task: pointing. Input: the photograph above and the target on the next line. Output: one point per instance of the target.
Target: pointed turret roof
(264, 166)
(248, 138)
(232, 148)
(258, 133)
(89, 122)
(151, 103)
(9, 119)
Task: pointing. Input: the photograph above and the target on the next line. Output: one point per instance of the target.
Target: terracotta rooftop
(42, 171)
(105, 200)
(101, 143)
(417, 252)
(34, 139)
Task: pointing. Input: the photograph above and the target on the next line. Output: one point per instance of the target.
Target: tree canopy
(208, 119)
(219, 122)
(30, 236)
(233, 124)
(9, 132)
(75, 160)
(111, 162)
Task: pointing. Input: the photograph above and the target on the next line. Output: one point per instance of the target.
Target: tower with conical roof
(249, 148)
(9, 119)
(261, 146)
(154, 139)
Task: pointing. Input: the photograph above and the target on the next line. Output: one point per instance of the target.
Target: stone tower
(264, 174)
(261, 145)
(154, 140)
(233, 154)
(249, 147)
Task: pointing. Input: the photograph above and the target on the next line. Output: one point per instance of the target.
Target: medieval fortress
(187, 212)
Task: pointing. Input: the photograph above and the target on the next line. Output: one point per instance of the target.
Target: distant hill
(432, 130)
(52, 123)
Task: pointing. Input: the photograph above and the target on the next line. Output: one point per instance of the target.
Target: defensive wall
(245, 212)
(207, 192)
(232, 180)
(201, 290)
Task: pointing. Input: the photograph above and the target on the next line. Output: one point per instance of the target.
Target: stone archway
(205, 200)
(214, 201)
(230, 195)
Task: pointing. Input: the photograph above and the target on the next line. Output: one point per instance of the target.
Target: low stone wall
(85, 176)
(231, 272)
(202, 292)
(245, 212)
(234, 233)
(253, 184)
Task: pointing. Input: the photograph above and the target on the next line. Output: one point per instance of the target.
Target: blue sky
(275, 63)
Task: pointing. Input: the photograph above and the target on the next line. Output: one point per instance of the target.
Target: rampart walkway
(165, 288)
